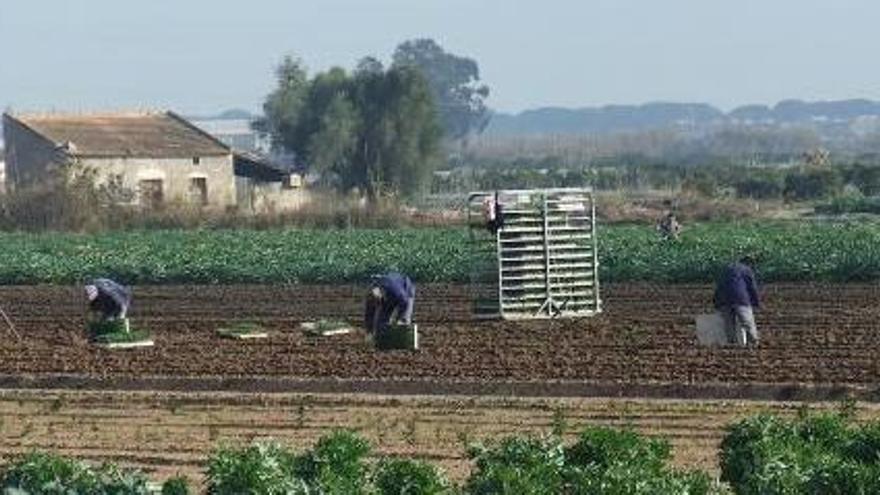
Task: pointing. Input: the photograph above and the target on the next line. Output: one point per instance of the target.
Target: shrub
(518, 465)
(812, 454)
(864, 445)
(812, 184)
(408, 477)
(850, 203)
(620, 480)
(766, 186)
(611, 461)
(50, 474)
(259, 469)
(866, 178)
(607, 447)
(177, 485)
(336, 464)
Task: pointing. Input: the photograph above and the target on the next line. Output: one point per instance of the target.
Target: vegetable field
(206, 438)
(802, 251)
(477, 396)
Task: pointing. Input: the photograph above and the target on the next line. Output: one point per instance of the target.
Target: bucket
(711, 330)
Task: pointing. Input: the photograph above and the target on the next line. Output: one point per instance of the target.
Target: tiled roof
(141, 135)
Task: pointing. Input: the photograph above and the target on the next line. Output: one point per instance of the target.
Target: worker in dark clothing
(108, 298)
(493, 213)
(736, 298)
(669, 228)
(392, 294)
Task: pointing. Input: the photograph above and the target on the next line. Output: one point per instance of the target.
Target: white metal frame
(546, 260)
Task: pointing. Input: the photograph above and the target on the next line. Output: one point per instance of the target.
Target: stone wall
(176, 175)
(29, 156)
(264, 197)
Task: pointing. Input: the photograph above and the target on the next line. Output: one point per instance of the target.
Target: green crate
(100, 328)
(117, 333)
(132, 337)
(398, 337)
(243, 331)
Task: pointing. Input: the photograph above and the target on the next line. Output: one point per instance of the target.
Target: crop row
(786, 252)
(814, 453)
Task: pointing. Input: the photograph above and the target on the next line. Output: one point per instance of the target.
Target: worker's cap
(91, 292)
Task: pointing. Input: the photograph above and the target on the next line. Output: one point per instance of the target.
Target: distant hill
(231, 114)
(622, 118)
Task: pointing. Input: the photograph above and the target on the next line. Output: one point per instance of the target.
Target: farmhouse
(159, 156)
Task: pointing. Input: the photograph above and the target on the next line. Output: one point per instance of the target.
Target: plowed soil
(814, 337)
(166, 433)
(198, 391)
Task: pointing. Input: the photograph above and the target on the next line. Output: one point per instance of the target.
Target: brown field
(166, 407)
(166, 433)
(813, 336)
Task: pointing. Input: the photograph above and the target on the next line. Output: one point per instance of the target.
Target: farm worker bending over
(735, 298)
(109, 299)
(392, 293)
(669, 228)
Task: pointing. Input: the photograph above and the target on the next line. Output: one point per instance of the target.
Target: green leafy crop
(793, 251)
(813, 454)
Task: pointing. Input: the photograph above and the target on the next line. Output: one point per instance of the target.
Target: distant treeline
(734, 143)
(722, 176)
(824, 115)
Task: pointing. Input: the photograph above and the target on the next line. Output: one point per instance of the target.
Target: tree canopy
(455, 85)
(374, 129)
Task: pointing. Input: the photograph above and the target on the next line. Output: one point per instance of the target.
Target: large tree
(283, 107)
(375, 129)
(455, 84)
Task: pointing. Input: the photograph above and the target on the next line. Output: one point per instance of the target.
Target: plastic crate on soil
(405, 337)
(326, 328)
(243, 331)
(118, 334)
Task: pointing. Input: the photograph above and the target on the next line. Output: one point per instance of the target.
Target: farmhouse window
(198, 190)
(151, 192)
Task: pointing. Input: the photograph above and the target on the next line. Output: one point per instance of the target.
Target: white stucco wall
(265, 197)
(175, 174)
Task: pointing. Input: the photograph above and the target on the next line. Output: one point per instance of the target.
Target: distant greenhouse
(235, 133)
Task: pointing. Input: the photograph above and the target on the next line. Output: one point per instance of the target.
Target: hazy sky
(201, 56)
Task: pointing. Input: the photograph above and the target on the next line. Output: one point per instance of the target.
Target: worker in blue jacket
(392, 294)
(108, 298)
(736, 298)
